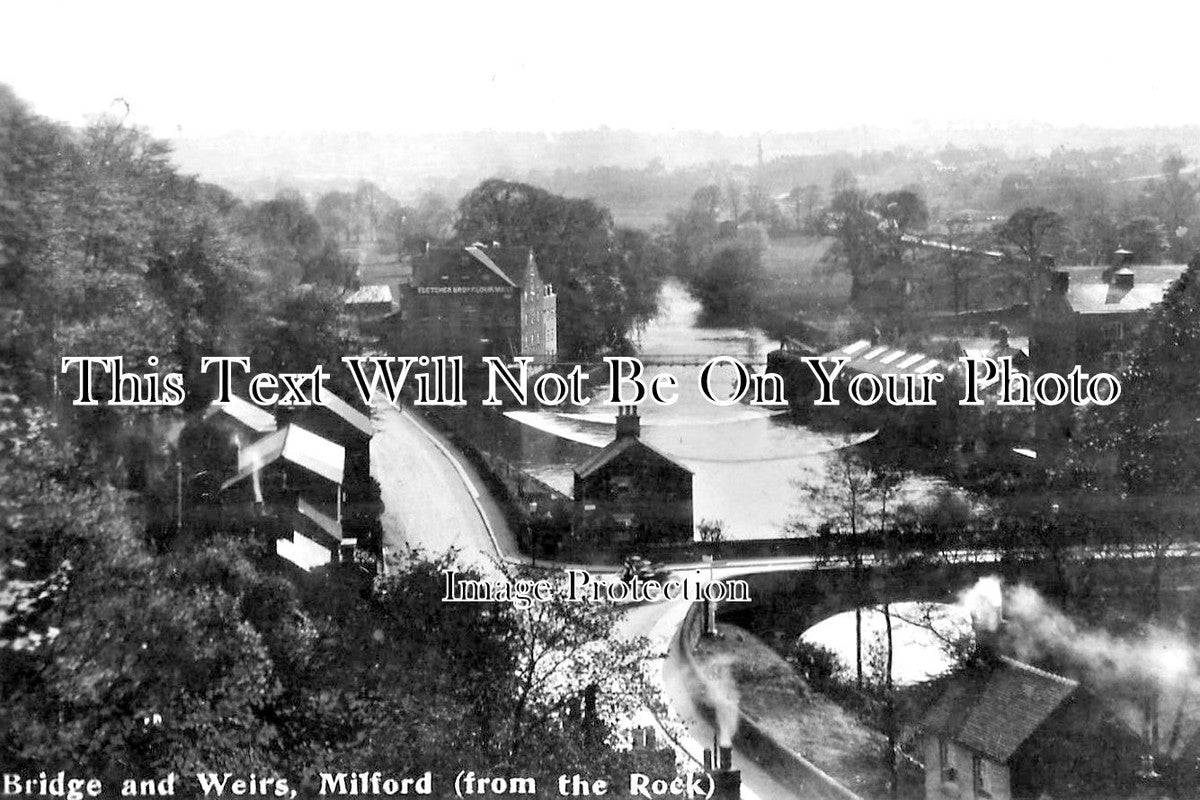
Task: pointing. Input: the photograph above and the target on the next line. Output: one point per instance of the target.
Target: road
(432, 498)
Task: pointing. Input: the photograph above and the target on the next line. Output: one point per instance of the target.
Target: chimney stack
(628, 422)
(988, 628)
(1123, 278)
(1060, 282)
(726, 781)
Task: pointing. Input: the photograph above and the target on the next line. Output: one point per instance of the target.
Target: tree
(1031, 230)
(336, 213)
(604, 287)
(805, 201)
(1173, 199)
(729, 283)
(1145, 238)
(694, 230)
(845, 495)
(956, 264)
(856, 227)
(844, 180)
(1152, 432)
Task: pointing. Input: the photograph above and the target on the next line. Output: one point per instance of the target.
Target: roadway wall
(785, 765)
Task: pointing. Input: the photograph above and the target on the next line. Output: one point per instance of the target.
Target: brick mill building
(478, 300)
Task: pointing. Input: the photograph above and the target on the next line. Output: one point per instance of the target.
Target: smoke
(721, 695)
(1033, 630)
(984, 602)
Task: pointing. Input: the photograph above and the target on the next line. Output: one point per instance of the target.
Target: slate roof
(614, 449)
(292, 443)
(303, 552)
(313, 520)
(371, 293)
(507, 264)
(253, 417)
(348, 413)
(994, 706)
(1089, 293)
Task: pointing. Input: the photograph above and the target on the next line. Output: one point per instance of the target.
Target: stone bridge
(791, 602)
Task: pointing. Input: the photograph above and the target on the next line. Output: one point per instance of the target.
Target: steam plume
(721, 695)
(1034, 630)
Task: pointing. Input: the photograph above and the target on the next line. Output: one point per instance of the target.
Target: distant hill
(255, 165)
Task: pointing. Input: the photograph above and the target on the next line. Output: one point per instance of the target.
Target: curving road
(433, 500)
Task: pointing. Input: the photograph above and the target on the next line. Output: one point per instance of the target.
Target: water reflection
(920, 635)
(746, 459)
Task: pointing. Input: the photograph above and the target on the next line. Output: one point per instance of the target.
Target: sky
(190, 69)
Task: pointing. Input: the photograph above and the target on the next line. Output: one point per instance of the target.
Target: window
(944, 760)
(1112, 331)
(1113, 360)
(979, 777)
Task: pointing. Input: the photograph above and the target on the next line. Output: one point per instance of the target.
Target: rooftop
(993, 706)
(614, 449)
(296, 445)
(371, 293)
(302, 551)
(505, 265)
(253, 417)
(1089, 293)
(348, 413)
(885, 360)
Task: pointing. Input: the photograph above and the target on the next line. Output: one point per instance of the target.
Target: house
(478, 300)
(1004, 729)
(630, 492)
(342, 423)
(240, 419)
(316, 538)
(369, 305)
(1091, 316)
(289, 463)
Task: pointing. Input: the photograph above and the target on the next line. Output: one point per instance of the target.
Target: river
(747, 461)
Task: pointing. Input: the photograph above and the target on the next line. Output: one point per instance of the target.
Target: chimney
(726, 781)
(1046, 261)
(628, 422)
(1123, 278)
(1002, 337)
(1122, 257)
(1060, 282)
(988, 625)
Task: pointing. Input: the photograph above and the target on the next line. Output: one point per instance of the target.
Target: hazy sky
(199, 68)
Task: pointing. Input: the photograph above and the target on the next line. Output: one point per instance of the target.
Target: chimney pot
(628, 422)
(1060, 282)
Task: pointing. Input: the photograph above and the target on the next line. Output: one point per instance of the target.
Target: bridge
(806, 591)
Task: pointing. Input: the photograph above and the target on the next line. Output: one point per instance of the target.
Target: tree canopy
(607, 278)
